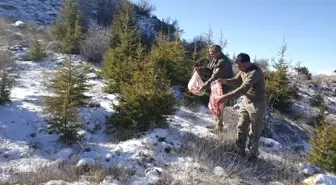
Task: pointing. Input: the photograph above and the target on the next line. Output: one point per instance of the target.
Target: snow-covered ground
(26, 146)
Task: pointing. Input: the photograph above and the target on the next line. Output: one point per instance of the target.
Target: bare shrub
(3, 24)
(144, 8)
(5, 80)
(96, 43)
(69, 173)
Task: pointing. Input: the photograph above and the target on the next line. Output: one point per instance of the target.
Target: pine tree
(323, 153)
(69, 85)
(69, 29)
(222, 41)
(279, 89)
(144, 103)
(171, 56)
(5, 81)
(36, 51)
(119, 63)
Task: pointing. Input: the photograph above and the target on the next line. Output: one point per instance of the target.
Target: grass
(70, 173)
(216, 151)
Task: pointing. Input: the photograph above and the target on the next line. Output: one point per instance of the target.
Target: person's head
(215, 51)
(243, 61)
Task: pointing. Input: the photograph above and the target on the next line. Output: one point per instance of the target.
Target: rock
(219, 171)
(94, 104)
(276, 183)
(15, 48)
(57, 163)
(85, 164)
(110, 181)
(310, 170)
(153, 175)
(320, 179)
(64, 154)
(57, 182)
(92, 76)
(117, 151)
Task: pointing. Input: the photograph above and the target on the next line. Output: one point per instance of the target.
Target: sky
(259, 27)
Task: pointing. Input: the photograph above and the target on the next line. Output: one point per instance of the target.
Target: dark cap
(242, 58)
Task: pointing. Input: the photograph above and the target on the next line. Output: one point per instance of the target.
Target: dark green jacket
(221, 68)
(251, 84)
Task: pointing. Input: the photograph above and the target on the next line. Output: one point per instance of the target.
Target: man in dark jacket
(219, 68)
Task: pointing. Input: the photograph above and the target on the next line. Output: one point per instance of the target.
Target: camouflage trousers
(251, 124)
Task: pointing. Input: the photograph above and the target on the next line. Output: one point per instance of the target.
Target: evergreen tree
(303, 71)
(69, 29)
(36, 51)
(5, 81)
(144, 103)
(69, 85)
(119, 62)
(171, 56)
(323, 153)
(317, 100)
(222, 41)
(279, 89)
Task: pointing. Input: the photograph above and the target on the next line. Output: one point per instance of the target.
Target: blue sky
(258, 27)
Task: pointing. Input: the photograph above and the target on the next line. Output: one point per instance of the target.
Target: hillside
(183, 152)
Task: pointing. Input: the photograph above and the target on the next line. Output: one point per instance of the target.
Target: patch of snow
(64, 154)
(310, 170)
(86, 161)
(110, 181)
(219, 171)
(18, 23)
(321, 179)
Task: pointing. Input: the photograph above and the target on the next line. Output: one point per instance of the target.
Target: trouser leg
(242, 127)
(256, 113)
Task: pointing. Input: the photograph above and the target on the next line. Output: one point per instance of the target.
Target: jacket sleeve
(222, 67)
(204, 71)
(251, 79)
(235, 81)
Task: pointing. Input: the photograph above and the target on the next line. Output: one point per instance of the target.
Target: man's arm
(204, 71)
(222, 68)
(251, 79)
(237, 80)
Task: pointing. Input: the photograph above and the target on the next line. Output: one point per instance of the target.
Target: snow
(26, 145)
(31, 11)
(321, 179)
(218, 171)
(86, 161)
(310, 170)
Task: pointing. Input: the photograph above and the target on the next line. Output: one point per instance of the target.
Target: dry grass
(220, 151)
(70, 173)
(5, 59)
(11, 35)
(3, 24)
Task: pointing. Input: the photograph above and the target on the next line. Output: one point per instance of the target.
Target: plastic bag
(216, 91)
(195, 84)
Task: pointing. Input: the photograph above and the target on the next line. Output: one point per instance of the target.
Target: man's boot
(240, 151)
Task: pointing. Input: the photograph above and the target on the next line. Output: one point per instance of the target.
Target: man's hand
(223, 81)
(202, 88)
(196, 69)
(223, 98)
